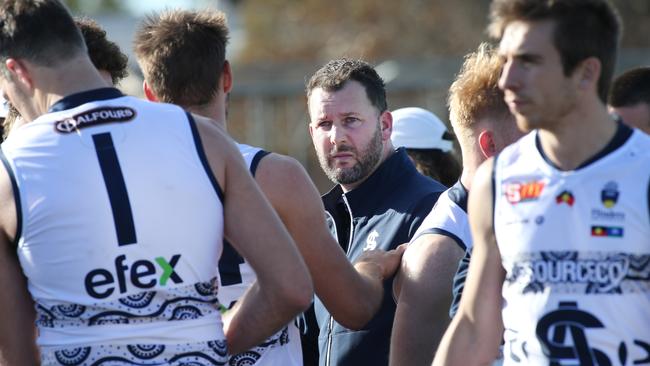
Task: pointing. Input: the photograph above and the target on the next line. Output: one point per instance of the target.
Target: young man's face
(535, 87)
(348, 133)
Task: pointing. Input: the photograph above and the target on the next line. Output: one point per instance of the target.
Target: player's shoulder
(282, 176)
(280, 167)
(640, 142)
(211, 131)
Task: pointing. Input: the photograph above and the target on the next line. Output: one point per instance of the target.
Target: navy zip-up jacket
(383, 212)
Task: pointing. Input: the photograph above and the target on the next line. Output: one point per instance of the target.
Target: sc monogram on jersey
(564, 334)
(95, 117)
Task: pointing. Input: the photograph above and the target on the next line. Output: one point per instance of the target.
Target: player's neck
(213, 110)
(52, 83)
(578, 137)
(472, 159)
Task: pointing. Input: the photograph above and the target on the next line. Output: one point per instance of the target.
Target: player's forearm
(369, 286)
(352, 295)
(420, 322)
(262, 311)
(18, 346)
(463, 335)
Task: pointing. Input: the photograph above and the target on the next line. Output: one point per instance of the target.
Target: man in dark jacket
(379, 201)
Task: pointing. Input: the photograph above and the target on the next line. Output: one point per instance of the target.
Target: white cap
(417, 128)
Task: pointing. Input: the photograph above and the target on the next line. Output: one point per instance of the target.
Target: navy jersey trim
(458, 194)
(256, 160)
(203, 158)
(14, 187)
(229, 267)
(623, 133)
(439, 231)
(77, 99)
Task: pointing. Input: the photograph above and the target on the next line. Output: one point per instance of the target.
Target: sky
(144, 6)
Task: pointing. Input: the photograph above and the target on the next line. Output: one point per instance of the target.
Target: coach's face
(350, 135)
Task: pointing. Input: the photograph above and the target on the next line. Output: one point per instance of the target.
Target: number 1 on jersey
(117, 193)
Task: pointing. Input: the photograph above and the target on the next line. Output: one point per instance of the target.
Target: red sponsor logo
(522, 192)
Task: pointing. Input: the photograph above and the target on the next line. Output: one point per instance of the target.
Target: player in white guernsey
(117, 255)
(561, 218)
(104, 54)
(202, 87)
(484, 126)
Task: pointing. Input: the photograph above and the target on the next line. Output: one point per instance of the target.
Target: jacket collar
(381, 183)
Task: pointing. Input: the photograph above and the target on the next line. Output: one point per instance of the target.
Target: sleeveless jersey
(576, 249)
(449, 217)
(236, 276)
(121, 228)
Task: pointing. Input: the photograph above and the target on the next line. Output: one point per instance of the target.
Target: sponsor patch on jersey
(609, 194)
(565, 197)
(607, 231)
(95, 117)
(579, 272)
(523, 192)
(607, 215)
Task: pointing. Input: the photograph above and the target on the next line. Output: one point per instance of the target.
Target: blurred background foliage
(417, 46)
(316, 30)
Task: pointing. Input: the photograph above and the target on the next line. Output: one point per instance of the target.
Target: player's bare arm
(352, 296)
(424, 285)
(283, 287)
(17, 330)
(478, 325)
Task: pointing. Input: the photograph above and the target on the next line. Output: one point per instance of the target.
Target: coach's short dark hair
(583, 29)
(334, 74)
(182, 53)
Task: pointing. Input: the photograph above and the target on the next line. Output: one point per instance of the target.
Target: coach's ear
(148, 93)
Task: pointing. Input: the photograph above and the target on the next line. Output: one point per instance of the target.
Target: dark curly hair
(437, 164)
(104, 54)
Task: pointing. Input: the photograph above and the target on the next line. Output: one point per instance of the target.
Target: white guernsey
(117, 273)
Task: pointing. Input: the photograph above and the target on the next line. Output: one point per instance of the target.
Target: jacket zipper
(331, 320)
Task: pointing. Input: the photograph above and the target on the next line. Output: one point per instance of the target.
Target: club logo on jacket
(371, 240)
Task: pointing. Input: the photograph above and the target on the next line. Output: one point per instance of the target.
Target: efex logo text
(100, 282)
